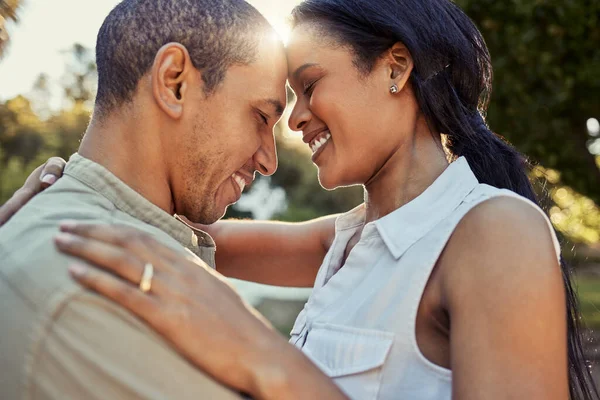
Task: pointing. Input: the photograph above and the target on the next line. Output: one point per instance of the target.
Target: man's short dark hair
(216, 33)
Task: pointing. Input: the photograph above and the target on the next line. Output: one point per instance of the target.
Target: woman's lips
(319, 141)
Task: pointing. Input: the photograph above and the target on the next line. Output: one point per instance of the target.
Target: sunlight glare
(282, 28)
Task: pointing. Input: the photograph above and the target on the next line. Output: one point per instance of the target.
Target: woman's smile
(318, 144)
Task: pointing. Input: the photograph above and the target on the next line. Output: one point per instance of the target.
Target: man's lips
(246, 176)
(239, 183)
(242, 179)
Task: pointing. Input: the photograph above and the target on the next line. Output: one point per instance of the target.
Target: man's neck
(132, 154)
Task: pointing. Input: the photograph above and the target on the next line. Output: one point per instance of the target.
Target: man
(188, 94)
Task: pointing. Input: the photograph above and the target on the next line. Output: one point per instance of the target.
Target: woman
(446, 283)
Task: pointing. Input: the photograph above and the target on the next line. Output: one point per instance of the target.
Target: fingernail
(68, 225)
(49, 179)
(77, 270)
(64, 238)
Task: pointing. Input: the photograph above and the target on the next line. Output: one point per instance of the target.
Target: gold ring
(147, 275)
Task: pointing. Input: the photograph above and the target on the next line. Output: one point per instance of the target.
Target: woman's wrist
(270, 376)
(23, 192)
(284, 373)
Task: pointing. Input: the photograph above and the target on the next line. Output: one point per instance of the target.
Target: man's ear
(171, 71)
(400, 63)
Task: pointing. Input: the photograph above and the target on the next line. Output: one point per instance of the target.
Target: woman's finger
(52, 170)
(106, 256)
(134, 240)
(128, 296)
(14, 204)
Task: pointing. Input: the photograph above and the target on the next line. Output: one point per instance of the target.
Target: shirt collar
(351, 219)
(131, 202)
(405, 226)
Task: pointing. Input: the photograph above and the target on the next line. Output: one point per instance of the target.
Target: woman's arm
(196, 309)
(274, 253)
(504, 293)
(289, 374)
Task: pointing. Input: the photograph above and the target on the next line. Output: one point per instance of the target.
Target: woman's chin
(329, 181)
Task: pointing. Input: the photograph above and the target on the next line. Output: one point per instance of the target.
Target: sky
(48, 28)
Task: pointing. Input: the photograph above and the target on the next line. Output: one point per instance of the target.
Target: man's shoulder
(29, 261)
(37, 222)
(28, 257)
(66, 199)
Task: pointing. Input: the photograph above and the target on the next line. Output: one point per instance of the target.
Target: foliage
(546, 62)
(27, 139)
(574, 215)
(589, 301)
(80, 80)
(9, 8)
(8, 11)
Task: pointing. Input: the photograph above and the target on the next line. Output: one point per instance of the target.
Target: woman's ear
(400, 63)
(170, 72)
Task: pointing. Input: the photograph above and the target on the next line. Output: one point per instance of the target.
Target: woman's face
(352, 123)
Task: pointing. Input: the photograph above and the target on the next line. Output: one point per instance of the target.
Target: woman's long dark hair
(452, 81)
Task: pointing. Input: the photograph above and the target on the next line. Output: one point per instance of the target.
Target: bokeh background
(546, 101)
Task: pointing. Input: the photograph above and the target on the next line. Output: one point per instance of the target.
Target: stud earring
(394, 89)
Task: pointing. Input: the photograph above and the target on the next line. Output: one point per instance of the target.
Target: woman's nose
(299, 117)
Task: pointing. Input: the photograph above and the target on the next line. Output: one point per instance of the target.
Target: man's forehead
(271, 51)
(270, 76)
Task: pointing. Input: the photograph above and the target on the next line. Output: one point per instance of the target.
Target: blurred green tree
(546, 59)
(80, 79)
(20, 132)
(28, 137)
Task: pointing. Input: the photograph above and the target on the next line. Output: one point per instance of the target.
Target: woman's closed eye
(308, 88)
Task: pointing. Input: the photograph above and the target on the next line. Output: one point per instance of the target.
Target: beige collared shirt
(58, 341)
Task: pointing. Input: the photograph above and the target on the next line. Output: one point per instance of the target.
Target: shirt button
(194, 240)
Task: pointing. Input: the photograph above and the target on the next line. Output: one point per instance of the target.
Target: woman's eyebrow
(299, 70)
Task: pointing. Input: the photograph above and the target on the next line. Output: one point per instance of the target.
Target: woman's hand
(42, 177)
(194, 308)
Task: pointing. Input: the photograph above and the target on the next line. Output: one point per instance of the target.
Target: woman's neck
(405, 175)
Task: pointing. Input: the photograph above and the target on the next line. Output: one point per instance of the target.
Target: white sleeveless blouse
(358, 325)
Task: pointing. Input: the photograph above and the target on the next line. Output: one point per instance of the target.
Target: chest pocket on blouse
(299, 329)
(352, 357)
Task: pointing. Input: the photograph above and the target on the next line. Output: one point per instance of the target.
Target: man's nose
(265, 159)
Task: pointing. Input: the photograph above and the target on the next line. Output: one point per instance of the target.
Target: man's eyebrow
(299, 70)
(277, 106)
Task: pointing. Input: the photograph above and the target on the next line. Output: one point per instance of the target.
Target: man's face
(228, 136)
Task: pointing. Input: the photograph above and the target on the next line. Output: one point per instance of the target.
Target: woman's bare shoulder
(504, 242)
